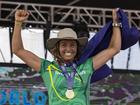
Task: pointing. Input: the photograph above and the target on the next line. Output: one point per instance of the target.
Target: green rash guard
(81, 84)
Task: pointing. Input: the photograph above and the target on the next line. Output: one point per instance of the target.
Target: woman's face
(68, 49)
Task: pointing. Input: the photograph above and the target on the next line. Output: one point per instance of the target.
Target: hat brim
(52, 42)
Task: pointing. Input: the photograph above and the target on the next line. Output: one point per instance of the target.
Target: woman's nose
(68, 48)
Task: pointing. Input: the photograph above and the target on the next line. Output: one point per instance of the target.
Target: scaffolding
(60, 15)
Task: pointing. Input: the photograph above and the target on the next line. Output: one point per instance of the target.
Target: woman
(67, 83)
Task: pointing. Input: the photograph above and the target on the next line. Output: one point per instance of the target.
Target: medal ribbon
(69, 76)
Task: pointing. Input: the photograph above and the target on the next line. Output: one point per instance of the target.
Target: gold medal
(69, 94)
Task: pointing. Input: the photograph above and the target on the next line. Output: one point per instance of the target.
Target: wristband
(18, 23)
(117, 24)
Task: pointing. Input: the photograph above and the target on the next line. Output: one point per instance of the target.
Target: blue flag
(101, 40)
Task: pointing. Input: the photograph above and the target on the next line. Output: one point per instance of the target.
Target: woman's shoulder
(45, 63)
(87, 62)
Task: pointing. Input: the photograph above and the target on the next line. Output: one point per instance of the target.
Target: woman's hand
(21, 15)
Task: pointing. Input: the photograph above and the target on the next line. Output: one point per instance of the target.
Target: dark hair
(57, 56)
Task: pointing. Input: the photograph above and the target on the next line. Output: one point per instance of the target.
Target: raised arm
(17, 45)
(114, 46)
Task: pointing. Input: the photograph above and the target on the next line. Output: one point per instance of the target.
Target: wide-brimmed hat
(66, 33)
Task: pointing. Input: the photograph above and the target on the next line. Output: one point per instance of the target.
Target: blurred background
(86, 17)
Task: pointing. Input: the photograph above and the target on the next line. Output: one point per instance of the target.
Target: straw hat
(66, 33)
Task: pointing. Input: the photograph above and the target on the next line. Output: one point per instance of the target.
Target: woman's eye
(73, 45)
(63, 45)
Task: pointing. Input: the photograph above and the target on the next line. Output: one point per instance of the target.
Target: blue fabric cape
(101, 41)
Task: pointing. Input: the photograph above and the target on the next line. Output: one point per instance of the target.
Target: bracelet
(18, 23)
(117, 24)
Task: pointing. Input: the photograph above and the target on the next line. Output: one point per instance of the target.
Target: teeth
(68, 54)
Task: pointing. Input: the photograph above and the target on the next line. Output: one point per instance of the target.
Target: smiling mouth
(68, 54)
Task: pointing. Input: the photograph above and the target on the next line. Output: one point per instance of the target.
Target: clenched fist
(21, 15)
